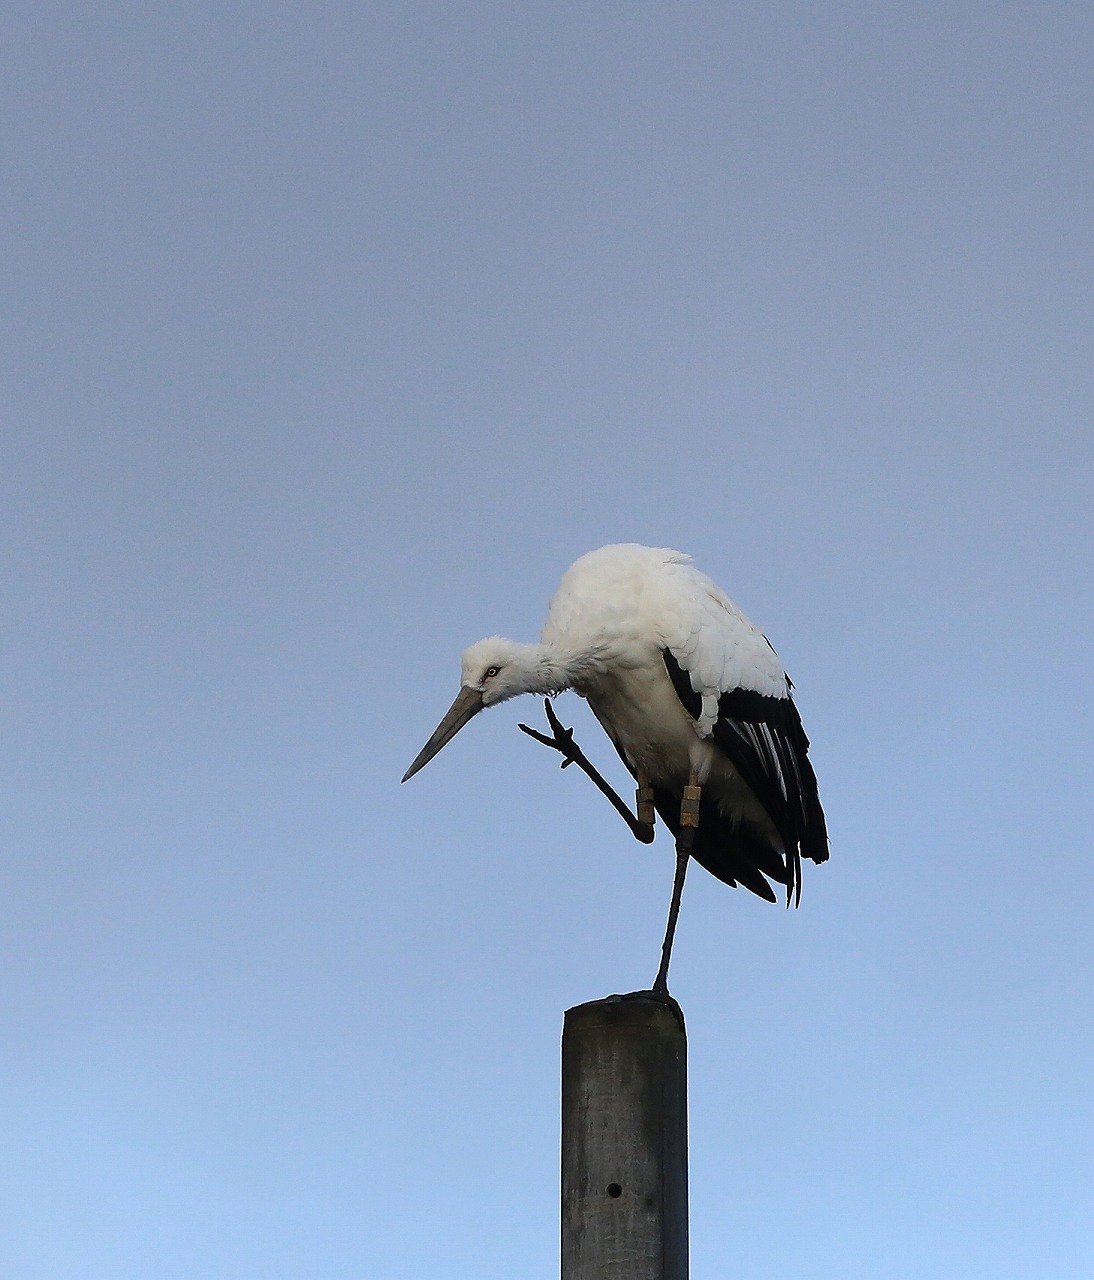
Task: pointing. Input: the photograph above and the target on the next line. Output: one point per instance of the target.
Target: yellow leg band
(644, 801)
(689, 809)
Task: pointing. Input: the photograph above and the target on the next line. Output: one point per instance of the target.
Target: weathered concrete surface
(624, 1140)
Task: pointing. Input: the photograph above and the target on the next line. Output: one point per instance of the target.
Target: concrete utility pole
(625, 1140)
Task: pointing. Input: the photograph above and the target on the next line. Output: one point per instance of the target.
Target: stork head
(498, 668)
(493, 670)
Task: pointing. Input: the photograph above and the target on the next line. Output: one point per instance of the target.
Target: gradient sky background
(331, 335)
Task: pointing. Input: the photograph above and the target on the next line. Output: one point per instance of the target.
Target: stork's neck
(548, 668)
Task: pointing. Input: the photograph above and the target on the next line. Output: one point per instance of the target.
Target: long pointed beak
(468, 703)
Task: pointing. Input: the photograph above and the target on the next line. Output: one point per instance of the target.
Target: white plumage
(688, 690)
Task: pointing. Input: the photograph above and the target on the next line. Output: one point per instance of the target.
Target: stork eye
(490, 673)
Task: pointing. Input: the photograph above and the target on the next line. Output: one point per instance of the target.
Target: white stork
(695, 701)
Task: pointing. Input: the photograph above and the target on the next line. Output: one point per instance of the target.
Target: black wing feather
(681, 682)
(764, 739)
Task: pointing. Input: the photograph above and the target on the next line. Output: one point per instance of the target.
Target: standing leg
(689, 821)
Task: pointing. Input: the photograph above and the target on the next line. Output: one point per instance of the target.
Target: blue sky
(331, 335)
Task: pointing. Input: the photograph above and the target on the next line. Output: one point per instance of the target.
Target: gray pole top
(624, 1140)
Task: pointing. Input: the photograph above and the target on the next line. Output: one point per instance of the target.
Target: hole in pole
(614, 1190)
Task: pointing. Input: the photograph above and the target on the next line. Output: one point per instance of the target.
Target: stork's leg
(563, 741)
(689, 821)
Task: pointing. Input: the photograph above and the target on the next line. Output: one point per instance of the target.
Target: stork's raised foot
(562, 740)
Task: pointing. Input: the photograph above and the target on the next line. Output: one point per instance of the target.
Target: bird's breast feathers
(641, 713)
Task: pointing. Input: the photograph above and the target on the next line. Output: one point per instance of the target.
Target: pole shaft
(624, 1140)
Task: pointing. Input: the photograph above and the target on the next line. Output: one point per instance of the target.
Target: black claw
(554, 721)
(539, 737)
(563, 739)
(563, 742)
